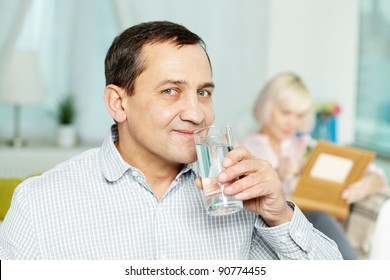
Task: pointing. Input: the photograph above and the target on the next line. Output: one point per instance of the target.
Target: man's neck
(159, 174)
(160, 177)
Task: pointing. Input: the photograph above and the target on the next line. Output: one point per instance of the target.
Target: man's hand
(256, 183)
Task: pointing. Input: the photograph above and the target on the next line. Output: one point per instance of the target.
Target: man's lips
(189, 133)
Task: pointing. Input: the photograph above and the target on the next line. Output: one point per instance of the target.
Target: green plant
(66, 110)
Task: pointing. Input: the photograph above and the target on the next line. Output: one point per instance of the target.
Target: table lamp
(20, 84)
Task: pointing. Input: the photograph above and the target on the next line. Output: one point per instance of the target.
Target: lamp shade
(21, 82)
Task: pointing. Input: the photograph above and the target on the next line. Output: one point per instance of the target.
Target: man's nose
(192, 110)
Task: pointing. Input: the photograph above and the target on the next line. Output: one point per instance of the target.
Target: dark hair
(123, 63)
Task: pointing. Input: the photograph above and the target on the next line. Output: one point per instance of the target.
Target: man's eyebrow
(208, 85)
(169, 81)
(182, 82)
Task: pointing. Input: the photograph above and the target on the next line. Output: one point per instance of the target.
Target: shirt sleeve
(17, 234)
(297, 239)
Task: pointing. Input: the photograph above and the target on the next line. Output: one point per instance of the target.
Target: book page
(332, 168)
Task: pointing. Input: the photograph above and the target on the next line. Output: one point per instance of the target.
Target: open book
(328, 171)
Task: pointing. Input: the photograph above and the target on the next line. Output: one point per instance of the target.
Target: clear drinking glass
(212, 144)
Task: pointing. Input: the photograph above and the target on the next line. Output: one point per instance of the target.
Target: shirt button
(283, 239)
(134, 173)
(298, 235)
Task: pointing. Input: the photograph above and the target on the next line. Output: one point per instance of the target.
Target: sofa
(7, 187)
(368, 226)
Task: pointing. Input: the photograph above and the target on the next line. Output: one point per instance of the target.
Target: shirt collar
(190, 167)
(113, 165)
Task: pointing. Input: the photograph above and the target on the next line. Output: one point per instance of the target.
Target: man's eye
(169, 91)
(204, 93)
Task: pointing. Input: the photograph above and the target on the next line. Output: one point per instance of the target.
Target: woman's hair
(288, 91)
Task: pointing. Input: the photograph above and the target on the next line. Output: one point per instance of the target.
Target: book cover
(328, 171)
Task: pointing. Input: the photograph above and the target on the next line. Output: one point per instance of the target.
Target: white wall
(248, 41)
(318, 39)
(251, 40)
(235, 33)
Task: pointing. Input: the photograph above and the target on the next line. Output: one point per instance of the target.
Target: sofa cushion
(7, 187)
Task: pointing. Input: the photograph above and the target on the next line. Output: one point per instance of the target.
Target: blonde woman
(285, 113)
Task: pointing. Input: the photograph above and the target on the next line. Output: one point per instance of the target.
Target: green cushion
(7, 187)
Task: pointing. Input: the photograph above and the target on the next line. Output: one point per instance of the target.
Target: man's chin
(187, 160)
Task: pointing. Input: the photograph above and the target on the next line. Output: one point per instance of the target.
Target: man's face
(172, 99)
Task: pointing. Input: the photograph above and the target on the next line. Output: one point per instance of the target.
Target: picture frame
(329, 170)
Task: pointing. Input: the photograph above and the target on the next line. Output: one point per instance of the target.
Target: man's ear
(114, 97)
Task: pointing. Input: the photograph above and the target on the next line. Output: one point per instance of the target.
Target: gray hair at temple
(286, 90)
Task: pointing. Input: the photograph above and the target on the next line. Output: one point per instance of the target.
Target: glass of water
(212, 144)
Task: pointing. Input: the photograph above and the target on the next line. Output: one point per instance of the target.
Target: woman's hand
(363, 188)
(288, 168)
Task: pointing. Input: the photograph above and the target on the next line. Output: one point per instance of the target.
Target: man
(135, 197)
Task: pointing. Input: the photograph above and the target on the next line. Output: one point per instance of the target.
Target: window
(373, 88)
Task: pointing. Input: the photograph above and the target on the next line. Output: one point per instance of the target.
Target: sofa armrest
(7, 187)
(362, 222)
(380, 247)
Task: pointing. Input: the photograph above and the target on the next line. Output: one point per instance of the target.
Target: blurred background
(340, 48)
